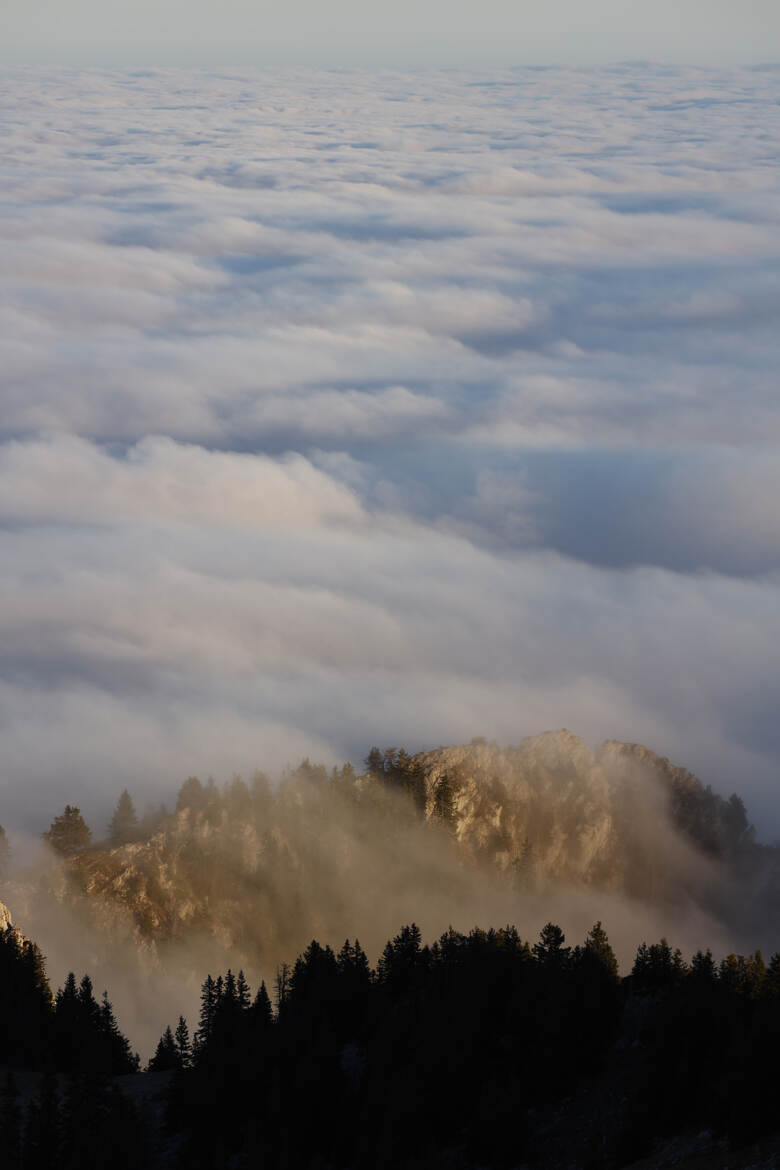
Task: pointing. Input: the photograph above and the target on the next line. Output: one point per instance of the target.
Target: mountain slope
(320, 852)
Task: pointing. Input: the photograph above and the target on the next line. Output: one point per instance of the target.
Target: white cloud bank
(343, 408)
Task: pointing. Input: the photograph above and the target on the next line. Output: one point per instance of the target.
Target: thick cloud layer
(341, 408)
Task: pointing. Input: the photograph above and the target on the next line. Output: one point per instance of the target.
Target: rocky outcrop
(553, 810)
(5, 917)
(544, 805)
(322, 856)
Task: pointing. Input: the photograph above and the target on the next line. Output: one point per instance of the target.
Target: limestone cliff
(260, 871)
(5, 917)
(555, 810)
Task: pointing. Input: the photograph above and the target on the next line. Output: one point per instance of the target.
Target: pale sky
(357, 32)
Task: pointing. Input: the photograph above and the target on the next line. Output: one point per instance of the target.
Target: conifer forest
(477, 1048)
(473, 1050)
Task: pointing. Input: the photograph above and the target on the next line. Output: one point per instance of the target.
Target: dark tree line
(77, 1118)
(69, 1032)
(459, 1054)
(478, 1050)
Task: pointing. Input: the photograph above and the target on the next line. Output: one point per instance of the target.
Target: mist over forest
(457, 1046)
(244, 874)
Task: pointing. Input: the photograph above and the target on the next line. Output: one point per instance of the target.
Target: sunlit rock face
(619, 817)
(555, 810)
(256, 874)
(171, 884)
(549, 811)
(7, 923)
(5, 917)
(543, 806)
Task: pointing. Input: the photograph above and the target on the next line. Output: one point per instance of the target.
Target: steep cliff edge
(556, 810)
(5, 917)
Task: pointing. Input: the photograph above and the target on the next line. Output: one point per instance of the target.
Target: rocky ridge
(323, 855)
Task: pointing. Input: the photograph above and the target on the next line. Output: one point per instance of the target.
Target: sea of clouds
(341, 408)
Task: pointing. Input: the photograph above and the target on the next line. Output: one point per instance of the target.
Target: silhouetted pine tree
(549, 951)
(402, 962)
(208, 1009)
(243, 996)
(703, 971)
(657, 966)
(262, 1012)
(166, 1055)
(25, 1032)
(183, 1046)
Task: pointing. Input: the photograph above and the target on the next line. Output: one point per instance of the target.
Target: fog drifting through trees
(245, 874)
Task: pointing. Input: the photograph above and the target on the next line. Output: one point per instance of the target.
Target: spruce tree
(374, 762)
(597, 952)
(88, 1005)
(191, 795)
(166, 1056)
(209, 1000)
(262, 1012)
(229, 997)
(755, 975)
(243, 997)
(69, 832)
(36, 1002)
(703, 968)
(402, 958)
(119, 1057)
(183, 1046)
(124, 823)
(66, 1023)
(658, 965)
(550, 951)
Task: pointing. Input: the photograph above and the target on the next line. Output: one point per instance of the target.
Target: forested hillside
(72, 1115)
(478, 1050)
(259, 867)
